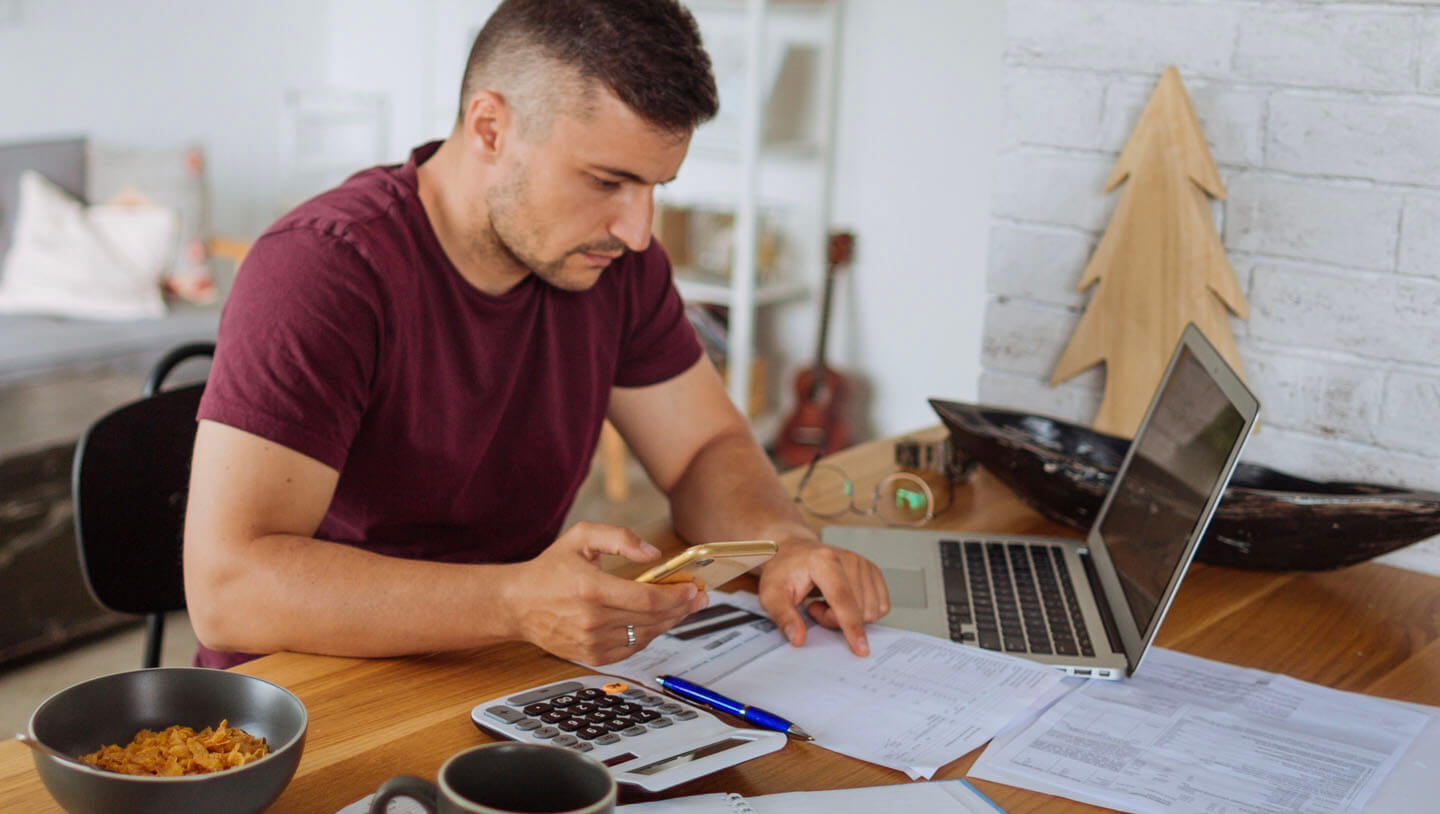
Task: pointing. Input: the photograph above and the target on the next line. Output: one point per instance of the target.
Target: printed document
(915, 704)
(939, 797)
(1188, 734)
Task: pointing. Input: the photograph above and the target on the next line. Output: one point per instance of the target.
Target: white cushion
(98, 262)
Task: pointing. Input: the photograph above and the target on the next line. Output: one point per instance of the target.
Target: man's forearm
(730, 491)
(286, 592)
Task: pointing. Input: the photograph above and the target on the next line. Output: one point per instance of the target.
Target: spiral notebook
(939, 797)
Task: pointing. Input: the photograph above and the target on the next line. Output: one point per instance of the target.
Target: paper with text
(1192, 735)
(916, 703)
(938, 797)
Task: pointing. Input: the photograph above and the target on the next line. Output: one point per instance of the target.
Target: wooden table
(1369, 628)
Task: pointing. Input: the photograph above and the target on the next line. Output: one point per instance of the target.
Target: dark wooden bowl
(1268, 520)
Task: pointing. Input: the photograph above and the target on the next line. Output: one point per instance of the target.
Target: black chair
(129, 482)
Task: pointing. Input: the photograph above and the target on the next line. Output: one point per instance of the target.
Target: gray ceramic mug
(509, 778)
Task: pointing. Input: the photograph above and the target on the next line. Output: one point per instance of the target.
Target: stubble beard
(510, 240)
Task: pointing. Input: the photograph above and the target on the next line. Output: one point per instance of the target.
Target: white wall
(162, 73)
(918, 128)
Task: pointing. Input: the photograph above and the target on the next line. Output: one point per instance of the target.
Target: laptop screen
(1182, 454)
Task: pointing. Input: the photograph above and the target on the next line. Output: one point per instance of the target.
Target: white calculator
(646, 739)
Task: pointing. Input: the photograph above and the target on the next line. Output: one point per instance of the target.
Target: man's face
(568, 201)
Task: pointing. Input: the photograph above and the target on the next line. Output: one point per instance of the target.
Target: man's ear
(488, 124)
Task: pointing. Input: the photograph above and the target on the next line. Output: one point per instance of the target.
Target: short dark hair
(648, 52)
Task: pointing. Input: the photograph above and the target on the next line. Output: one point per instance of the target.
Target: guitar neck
(823, 340)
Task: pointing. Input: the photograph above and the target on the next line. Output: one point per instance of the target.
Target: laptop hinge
(1111, 631)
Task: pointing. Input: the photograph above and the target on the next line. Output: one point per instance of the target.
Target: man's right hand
(562, 601)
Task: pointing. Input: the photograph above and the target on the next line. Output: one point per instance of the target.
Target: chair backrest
(130, 482)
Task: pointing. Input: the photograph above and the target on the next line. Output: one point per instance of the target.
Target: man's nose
(633, 220)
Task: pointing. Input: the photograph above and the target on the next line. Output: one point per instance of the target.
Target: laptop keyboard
(1013, 597)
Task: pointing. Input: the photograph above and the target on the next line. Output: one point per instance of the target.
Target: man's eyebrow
(627, 175)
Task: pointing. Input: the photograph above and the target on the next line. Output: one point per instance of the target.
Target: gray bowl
(111, 709)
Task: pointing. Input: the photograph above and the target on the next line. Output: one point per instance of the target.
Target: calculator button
(582, 746)
(633, 692)
(648, 700)
(607, 739)
(600, 717)
(627, 709)
(555, 716)
(645, 715)
(546, 732)
(582, 708)
(563, 700)
(538, 709)
(660, 723)
(565, 740)
(669, 708)
(589, 694)
(505, 714)
(615, 687)
(570, 725)
(633, 731)
(589, 733)
(527, 698)
(608, 701)
(527, 724)
(618, 724)
(686, 714)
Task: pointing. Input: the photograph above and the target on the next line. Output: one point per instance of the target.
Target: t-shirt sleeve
(659, 343)
(297, 348)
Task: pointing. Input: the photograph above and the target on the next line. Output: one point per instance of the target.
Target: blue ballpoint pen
(710, 698)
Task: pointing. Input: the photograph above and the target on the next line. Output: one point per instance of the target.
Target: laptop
(1089, 608)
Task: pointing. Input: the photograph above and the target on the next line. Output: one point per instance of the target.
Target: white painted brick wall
(1420, 236)
(1370, 315)
(1054, 187)
(1038, 263)
(1321, 46)
(1324, 118)
(1394, 140)
(1334, 222)
(1429, 56)
(1106, 35)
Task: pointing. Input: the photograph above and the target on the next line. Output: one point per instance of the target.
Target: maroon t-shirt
(461, 423)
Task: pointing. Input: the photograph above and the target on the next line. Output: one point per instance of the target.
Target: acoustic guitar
(819, 423)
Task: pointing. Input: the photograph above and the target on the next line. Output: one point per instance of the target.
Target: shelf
(711, 292)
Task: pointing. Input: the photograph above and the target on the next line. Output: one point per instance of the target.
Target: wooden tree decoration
(1159, 265)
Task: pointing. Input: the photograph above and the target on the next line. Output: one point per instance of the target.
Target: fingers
(780, 604)
(840, 596)
(613, 644)
(595, 539)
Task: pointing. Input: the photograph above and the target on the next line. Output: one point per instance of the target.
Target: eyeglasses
(900, 498)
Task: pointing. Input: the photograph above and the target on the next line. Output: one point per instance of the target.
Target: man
(413, 369)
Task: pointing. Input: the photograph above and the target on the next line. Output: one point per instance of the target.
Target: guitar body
(819, 422)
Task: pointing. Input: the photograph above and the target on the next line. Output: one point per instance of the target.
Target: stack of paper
(940, 797)
(915, 704)
(1191, 735)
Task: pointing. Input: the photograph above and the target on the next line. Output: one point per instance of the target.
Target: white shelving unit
(768, 150)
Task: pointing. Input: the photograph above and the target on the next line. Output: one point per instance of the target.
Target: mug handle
(405, 785)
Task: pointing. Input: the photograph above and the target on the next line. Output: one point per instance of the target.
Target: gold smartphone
(710, 565)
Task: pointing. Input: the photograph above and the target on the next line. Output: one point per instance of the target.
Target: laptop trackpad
(907, 587)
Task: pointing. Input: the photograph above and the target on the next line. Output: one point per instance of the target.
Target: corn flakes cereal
(180, 750)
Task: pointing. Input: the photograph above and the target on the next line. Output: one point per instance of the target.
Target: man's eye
(604, 184)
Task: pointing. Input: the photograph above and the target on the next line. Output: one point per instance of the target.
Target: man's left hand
(854, 591)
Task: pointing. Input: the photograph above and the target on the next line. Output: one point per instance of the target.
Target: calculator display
(685, 757)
